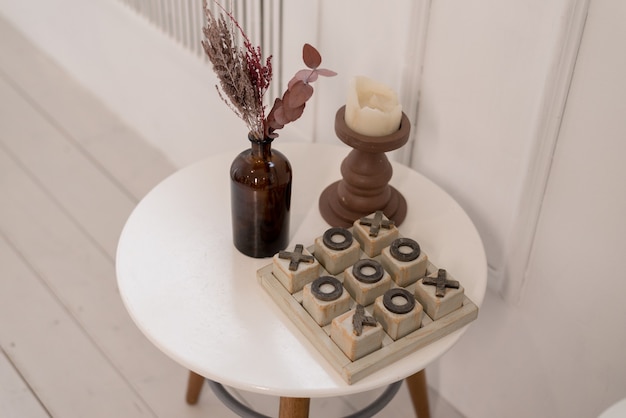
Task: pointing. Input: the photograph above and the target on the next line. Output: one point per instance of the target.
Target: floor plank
(71, 179)
(82, 277)
(16, 398)
(61, 364)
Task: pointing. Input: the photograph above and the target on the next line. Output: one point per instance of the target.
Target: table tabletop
(198, 299)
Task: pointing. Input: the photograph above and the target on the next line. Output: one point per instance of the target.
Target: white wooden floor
(70, 174)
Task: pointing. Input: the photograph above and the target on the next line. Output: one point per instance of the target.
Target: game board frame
(391, 351)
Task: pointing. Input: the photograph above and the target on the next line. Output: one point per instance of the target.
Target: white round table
(198, 299)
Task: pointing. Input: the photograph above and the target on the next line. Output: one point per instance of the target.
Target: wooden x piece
(296, 257)
(359, 319)
(441, 282)
(376, 223)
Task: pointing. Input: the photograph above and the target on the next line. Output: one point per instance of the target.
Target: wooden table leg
(294, 408)
(419, 394)
(194, 387)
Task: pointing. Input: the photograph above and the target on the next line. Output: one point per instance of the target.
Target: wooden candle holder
(366, 172)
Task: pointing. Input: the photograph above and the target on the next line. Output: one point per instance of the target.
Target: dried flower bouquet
(244, 76)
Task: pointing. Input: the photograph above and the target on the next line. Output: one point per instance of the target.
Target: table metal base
(243, 411)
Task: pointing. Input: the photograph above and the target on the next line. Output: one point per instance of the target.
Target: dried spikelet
(231, 67)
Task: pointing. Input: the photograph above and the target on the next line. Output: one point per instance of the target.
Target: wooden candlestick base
(366, 172)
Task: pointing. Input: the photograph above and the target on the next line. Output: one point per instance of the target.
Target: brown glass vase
(260, 199)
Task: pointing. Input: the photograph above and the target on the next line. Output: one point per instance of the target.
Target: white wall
(491, 74)
(490, 67)
(577, 261)
(560, 351)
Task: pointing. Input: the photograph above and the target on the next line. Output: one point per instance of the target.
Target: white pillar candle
(372, 108)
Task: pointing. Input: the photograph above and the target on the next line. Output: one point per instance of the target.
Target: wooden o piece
(336, 261)
(399, 309)
(324, 311)
(327, 297)
(366, 289)
(394, 249)
(398, 325)
(404, 273)
(337, 246)
(368, 278)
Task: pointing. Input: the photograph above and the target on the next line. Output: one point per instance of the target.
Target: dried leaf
(299, 90)
(279, 116)
(293, 113)
(325, 72)
(303, 75)
(298, 94)
(312, 77)
(311, 56)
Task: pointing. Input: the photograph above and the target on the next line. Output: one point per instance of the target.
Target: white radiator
(183, 21)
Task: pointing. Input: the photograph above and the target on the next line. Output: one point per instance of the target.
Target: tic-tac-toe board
(390, 350)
